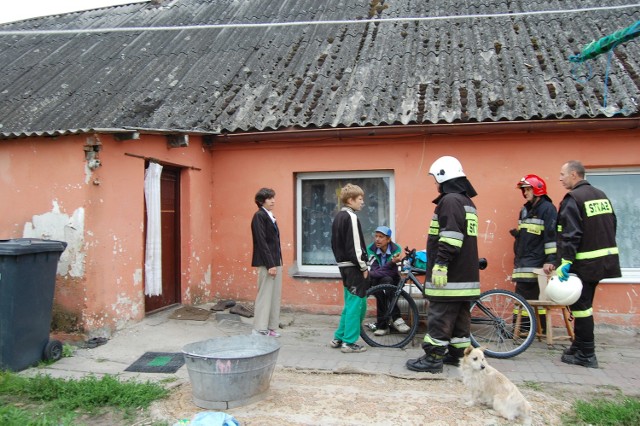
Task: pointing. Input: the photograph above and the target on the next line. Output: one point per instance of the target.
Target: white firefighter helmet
(446, 168)
(564, 292)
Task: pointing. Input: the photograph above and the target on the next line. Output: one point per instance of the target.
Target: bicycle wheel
(497, 327)
(392, 301)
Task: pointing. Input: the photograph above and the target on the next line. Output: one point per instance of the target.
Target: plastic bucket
(228, 372)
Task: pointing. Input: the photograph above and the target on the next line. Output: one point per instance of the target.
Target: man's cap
(385, 230)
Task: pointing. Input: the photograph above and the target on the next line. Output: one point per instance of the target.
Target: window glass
(317, 205)
(621, 187)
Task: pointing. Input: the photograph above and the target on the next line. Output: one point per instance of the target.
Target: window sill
(320, 273)
(316, 275)
(629, 276)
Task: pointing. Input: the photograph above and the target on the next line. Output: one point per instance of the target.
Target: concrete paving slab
(304, 345)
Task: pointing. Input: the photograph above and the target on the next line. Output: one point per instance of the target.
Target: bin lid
(20, 246)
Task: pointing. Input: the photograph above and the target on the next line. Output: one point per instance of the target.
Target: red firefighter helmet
(535, 182)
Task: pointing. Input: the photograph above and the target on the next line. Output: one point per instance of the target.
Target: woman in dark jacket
(267, 258)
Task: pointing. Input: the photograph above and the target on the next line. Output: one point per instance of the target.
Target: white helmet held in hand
(564, 293)
(446, 168)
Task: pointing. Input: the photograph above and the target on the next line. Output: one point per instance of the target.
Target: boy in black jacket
(350, 251)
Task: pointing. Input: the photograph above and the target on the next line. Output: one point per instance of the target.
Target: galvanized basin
(227, 372)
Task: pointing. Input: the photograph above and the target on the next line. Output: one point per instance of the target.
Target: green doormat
(157, 362)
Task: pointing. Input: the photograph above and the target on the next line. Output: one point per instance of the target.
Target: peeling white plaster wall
(55, 225)
(207, 277)
(137, 277)
(125, 309)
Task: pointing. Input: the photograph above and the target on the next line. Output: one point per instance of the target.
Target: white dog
(491, 387)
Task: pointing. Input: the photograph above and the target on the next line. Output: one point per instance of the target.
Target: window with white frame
(621, 186)
(317, 202)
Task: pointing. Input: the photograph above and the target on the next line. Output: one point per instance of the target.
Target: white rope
(311, 23)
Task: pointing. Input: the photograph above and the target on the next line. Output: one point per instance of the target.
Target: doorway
(170, 241)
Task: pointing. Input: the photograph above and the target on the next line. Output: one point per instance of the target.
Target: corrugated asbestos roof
(240, 65)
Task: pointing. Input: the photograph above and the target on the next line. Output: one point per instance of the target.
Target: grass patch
(620, 411)
(533, 386)
(68, 350)
(51, 401)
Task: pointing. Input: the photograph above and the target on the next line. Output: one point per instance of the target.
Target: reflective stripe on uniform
(582, 314)
(596, 253)
(453, 289)
(522, 313)
(434, 225)
(533, 226)
(541, 311)
(460, 342)
(523, 273)
(550, 248)
(471, 215)
(456, 285)
(434, 342)
(596, 207)
(452, 238)
(515, 275)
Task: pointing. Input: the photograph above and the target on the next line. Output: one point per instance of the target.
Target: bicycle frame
(488, 314)
(411, 278)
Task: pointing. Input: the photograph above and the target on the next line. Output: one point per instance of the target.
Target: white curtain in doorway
(153, 257)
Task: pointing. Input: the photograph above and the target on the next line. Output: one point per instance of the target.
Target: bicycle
(496, 316)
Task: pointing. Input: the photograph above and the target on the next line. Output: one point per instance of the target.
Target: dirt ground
(319, 398)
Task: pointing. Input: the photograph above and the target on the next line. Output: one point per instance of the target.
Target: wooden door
(170, 224)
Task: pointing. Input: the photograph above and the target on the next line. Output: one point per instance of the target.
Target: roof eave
(436, 129)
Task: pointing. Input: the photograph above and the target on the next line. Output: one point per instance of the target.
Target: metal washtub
(227, 372)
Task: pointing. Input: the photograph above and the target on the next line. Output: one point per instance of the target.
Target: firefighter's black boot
(453, 356)
(584, 356)
(430, 362)
(571, 350)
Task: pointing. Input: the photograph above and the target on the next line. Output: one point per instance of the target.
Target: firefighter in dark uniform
(454, 282)
(535, 244)
(587, 248)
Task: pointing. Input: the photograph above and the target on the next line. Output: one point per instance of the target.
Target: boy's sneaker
(401, 326)
(381, 332)
(270, 333)
(352, 348)
(335, 343)
(273, 333)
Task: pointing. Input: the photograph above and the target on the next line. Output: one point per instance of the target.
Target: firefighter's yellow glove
(439, 275)
(563, 270)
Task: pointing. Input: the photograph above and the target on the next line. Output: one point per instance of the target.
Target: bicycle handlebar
(410, 256)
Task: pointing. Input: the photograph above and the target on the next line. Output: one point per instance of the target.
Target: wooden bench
(550, 307)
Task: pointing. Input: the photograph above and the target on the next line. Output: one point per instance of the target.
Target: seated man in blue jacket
(385, 255)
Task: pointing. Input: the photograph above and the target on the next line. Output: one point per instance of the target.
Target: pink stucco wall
(493, 163)
(45, 182)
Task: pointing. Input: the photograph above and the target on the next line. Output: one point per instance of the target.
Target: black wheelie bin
(27, 282)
